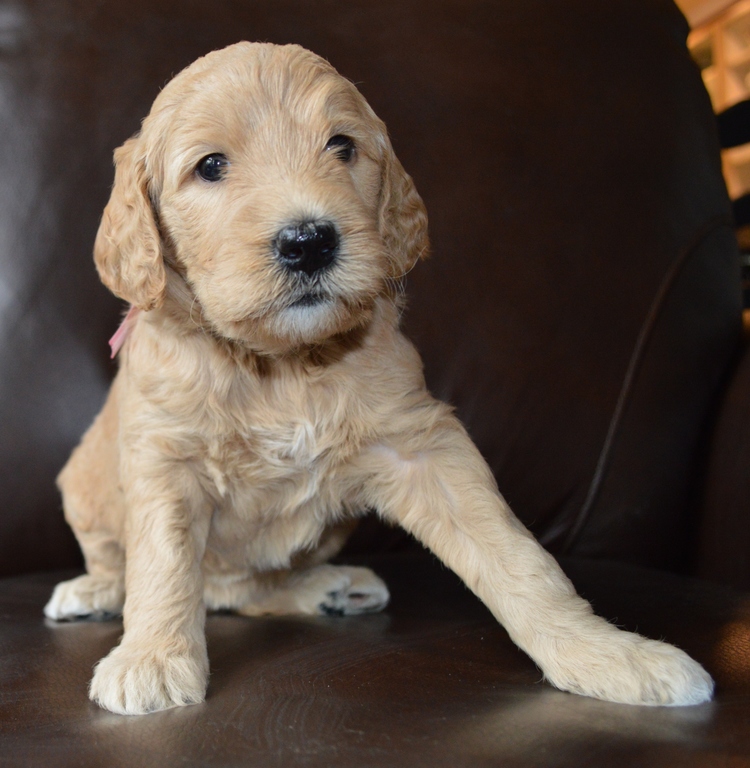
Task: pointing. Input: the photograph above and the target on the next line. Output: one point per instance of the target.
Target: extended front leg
(434, 482)
(161, 661)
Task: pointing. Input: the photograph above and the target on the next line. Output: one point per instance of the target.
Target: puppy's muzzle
(309, 246)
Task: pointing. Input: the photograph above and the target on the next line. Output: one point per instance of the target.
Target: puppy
(259, 225)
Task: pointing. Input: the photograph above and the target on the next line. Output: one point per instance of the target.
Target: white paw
(341, 590)
(85, 596)
(135, 682)
(629, 669)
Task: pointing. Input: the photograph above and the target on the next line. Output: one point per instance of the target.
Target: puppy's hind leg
(311, 586)
(94, 508)
(327, 590)
(99, 593)
(435, 483)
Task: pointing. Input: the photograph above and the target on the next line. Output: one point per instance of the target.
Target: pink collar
(122, 333)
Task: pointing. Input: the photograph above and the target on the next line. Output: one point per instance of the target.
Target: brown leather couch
(581, 311)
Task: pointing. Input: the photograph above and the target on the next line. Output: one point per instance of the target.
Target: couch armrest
(724, 542)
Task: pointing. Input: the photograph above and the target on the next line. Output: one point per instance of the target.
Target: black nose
(307, 247)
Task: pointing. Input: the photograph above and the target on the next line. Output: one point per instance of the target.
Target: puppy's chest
(258, 456)
(276, 450)
(274, 488)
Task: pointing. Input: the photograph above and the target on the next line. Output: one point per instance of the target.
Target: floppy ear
(403, 217)
(128, 248)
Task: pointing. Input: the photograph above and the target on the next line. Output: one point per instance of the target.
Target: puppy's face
(267, 183)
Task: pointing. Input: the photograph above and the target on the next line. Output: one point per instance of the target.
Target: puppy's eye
(212, 167)
(342, 145)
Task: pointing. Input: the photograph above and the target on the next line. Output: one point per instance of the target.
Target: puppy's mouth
(310, 299)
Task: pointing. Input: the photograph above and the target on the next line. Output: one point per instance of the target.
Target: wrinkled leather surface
(582, 301)
(433, 682)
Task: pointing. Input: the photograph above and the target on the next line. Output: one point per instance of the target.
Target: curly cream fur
(243, 432)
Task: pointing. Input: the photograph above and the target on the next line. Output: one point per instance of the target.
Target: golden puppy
(260, 223)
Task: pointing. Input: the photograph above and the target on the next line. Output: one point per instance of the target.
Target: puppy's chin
(311, 319)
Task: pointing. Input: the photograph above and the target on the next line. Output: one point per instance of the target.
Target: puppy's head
(265, 181)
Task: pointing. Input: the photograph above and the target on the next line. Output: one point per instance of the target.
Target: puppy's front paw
(86, 596)
(135, 682)
(629, 669)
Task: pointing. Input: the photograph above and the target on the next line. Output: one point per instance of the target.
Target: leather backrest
(582, 301)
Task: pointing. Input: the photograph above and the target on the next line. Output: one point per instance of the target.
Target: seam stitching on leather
(636, 358)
